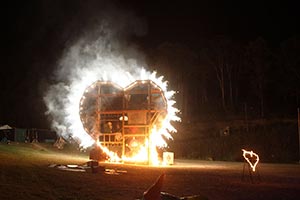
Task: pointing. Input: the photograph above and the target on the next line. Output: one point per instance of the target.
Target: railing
(110, 138)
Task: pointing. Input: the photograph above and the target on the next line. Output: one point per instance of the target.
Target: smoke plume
(99, 52)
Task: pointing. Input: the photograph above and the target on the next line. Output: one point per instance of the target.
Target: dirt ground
(25, 174)
(220, 180)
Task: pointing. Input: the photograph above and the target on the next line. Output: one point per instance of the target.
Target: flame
(253, 156)
(100, 59)
(147, 150)
(141, 155)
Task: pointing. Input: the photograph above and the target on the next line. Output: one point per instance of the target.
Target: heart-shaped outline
(125, 90)
(251, 153)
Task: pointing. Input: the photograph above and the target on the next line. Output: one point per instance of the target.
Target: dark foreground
(25, 174)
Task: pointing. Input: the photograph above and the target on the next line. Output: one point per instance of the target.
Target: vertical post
(148, 128)
(298, 110)
(98, 102)
(123, 124)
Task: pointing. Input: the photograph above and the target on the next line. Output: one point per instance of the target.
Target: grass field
(25, 174)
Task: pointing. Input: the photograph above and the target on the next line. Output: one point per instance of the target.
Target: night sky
(35, 34)
(188, 21)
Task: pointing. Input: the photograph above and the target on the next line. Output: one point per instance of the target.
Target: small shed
(6, 133)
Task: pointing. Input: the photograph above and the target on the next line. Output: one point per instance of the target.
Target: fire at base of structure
(122, 120)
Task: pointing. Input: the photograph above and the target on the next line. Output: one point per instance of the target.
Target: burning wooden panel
(137, 117)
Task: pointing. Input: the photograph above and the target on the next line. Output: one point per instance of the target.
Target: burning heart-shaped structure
(252, 158)
(123, 119)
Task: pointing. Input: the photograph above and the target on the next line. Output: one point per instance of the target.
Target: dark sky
(34, 34)
(179, 21)
(187, 21)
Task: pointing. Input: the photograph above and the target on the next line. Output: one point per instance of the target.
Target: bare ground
(25, 174)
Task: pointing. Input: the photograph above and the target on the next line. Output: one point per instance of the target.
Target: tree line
(224, 78)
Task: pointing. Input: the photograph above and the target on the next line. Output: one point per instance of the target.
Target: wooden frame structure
(118, 117)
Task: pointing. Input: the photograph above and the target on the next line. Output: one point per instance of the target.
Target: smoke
(99, 52)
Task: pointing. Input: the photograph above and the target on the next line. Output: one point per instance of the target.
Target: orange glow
(158, 130)
(76, 107)
(142, 150)
(252, 158)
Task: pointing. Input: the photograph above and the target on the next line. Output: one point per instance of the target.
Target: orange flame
(146, 151)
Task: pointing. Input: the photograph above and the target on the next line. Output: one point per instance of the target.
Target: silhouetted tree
(236, 64)
(220, 55)
(258, 62)
(290, 57)
(178, 64)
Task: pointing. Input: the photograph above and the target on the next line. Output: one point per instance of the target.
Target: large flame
(147, 151)
(82, 65)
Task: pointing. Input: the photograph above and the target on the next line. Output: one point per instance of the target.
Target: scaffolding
(120, 119)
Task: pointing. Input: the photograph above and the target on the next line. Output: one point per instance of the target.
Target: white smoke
(101, 53)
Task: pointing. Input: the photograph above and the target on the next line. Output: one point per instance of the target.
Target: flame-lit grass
(24, 174)
(35, 153)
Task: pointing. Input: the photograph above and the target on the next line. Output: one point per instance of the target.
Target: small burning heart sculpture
(251, 157)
